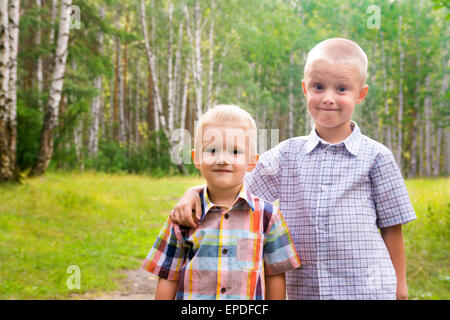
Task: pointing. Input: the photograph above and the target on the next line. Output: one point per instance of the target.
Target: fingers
(198, 209)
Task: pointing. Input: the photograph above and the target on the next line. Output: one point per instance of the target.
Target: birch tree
(6, 172)
(51, 113)
(398, 153)
(95, 105)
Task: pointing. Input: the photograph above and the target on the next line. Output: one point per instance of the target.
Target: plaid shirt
(334, 198)
(227, 256)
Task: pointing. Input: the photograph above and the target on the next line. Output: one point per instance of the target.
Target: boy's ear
(362, 93)
(304, 87)
(195, 159)
(253, 162)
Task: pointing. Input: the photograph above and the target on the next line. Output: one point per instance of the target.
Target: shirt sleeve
(264, 180)
(167, 255)
(280, 254)
(391, 198)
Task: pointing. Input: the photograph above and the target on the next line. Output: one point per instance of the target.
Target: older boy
(242, 247)
(336, 188)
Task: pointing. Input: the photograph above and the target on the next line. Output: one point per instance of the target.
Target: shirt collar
(351, 143)
(244, 194)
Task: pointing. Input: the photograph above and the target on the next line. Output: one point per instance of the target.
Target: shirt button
(226, 215)
(224, 251)
(324, 188)
(223, 290)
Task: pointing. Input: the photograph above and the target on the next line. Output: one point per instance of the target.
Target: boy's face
(332, 91)
(225, 156)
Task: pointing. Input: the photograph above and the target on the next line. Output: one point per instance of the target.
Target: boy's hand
(188, 210)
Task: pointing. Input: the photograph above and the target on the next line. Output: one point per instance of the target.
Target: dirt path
(138, 285)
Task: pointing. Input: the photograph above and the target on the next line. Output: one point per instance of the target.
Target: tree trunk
(291, 98)
(398, 154)
(210, 98)
(196, 57)
(6, 172)
(14, 8)
(427, 120)
(95, 105)
(39, 67)
(120, 88)
(51, 113)
(387, 134)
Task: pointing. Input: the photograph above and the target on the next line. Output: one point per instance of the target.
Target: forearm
(393, 238)
(275, 287)
(166, 289)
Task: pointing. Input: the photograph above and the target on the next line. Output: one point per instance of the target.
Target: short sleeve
(280, 254)
(392, 202)
(167, 255)
(264, 180)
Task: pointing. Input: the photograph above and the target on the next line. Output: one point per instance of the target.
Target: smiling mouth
(221, 170)
(328, 109)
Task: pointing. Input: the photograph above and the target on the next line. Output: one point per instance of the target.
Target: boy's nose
(328, 98)
(221, 158)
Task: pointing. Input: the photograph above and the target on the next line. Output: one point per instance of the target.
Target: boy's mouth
(328, 109)
(221, 170)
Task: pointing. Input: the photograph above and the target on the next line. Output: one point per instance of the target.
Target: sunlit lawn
(105, 223)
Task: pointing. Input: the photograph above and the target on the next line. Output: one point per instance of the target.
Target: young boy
(341, 193)
(242, 247)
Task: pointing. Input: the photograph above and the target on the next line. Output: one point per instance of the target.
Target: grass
(427, 239)
(101, 223)
(105, 223)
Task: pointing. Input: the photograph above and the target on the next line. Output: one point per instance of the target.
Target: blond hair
(339, 50)
(228, 115)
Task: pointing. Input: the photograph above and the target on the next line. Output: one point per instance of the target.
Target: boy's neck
(223, 197)
(336, 134)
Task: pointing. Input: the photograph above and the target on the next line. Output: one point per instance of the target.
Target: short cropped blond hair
(339, 50)
(228, 115)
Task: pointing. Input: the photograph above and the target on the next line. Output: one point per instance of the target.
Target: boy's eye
(210, 150)
(342, 89)
(235, 152)
(318, 87)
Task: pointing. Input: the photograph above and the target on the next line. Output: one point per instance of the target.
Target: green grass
(106, 223)
(427, 239)
(100, 222)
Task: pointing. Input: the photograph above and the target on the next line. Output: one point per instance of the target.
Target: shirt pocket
(249, 249)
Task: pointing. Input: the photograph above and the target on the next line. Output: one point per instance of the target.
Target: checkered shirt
(334, 198)
(227, 256)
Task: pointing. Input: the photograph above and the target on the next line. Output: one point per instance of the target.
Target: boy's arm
(393, 238)
(183, 212)
(166, 289)
(275, 287)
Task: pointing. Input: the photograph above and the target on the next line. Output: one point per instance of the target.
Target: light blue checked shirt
(334, 197)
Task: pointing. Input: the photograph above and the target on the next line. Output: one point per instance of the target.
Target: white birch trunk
(170, 92)
(6, 174)
(427, 120)
(398, 154)
(291, 99)
(387, 134)
(120, 85)
(183, 106)
(196, 57)
(14, 9)
(51, 117)
(95, 105)
(39, 67)
(151, 62)
(177, 75)
(210, 98)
